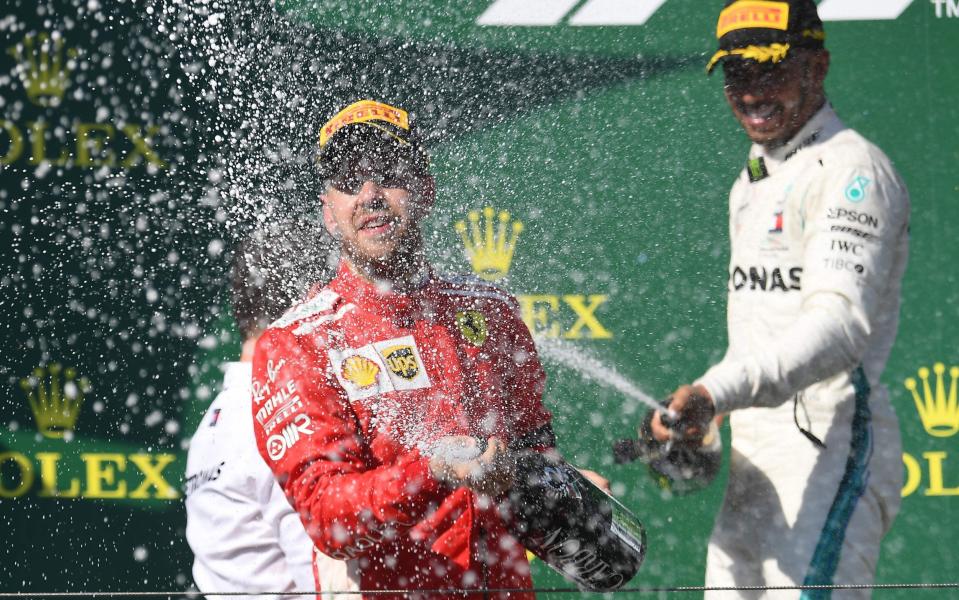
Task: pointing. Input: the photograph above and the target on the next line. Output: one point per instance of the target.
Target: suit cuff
(728, 384)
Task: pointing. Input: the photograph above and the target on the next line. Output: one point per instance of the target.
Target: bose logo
(636, 12)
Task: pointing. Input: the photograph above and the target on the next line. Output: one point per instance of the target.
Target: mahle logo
(490, 240)
(44, 66)
(637, 12)
(937, 404)
(60, 467)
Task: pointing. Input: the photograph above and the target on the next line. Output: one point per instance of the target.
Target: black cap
(372, 129)
(765, 30)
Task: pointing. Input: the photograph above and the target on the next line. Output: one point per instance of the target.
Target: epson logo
(852, 216)
(542, 13)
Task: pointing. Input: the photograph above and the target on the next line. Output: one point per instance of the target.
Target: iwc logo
(401, 360)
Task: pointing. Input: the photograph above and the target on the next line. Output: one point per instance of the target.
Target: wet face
(772, 101)
(374, 212)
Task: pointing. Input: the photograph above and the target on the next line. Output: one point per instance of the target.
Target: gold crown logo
(360, 370)
(490, 251)
(55, 406)
(45, 67)
(937, 410)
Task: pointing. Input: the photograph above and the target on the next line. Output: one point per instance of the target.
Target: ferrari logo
(473, 326)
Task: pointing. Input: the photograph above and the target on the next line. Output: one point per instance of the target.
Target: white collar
(822, 126)
(237, 374)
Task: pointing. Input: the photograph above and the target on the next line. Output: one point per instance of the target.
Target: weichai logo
(490, 239)
(45, 66)
(531, 13)
(57, 464)
(936, 398)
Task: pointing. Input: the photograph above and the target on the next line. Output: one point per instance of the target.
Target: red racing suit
(353, 387)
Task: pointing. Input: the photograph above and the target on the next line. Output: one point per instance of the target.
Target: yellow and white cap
(765, 30)
(369, 125)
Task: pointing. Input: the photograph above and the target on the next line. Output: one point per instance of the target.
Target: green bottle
(572, 525)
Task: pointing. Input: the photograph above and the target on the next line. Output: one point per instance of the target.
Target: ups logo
(402, 362)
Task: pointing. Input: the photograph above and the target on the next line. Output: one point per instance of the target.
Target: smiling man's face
(772, 102)
(375, 215)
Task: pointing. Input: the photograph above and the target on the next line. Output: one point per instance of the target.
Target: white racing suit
(244, 534)
(819, 231)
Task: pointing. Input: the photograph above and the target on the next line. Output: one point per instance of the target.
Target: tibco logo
(545, 13)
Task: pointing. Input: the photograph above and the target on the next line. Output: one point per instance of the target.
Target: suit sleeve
(531, 421)
(310, 438)
(855, 225)
(297, 547)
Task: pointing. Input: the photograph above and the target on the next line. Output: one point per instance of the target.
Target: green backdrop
(130, 163)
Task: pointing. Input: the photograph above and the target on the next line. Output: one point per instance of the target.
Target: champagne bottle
(573, 526)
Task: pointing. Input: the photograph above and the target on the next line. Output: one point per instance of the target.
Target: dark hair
(274, 267)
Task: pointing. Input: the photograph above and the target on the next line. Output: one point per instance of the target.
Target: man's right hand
(693, 407)
(458, 461)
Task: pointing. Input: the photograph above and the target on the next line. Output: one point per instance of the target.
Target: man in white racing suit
(244, 533)
(819, 226)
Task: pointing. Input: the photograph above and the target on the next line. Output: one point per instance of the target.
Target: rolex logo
(44, 66)
(55, 396)
(938, 410)
(489, 245)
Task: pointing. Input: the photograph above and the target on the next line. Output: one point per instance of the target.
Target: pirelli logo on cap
(747, 14)
(362, 112)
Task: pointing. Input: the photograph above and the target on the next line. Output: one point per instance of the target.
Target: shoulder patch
(322, 302)
(310, 325)
(472, 286)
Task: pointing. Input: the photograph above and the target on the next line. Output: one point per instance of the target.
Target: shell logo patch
(402, 361)
(472, 325)
(360, 371)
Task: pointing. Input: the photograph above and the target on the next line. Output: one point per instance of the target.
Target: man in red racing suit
(364, 392)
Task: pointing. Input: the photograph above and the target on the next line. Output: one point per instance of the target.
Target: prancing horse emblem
(473, 326)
